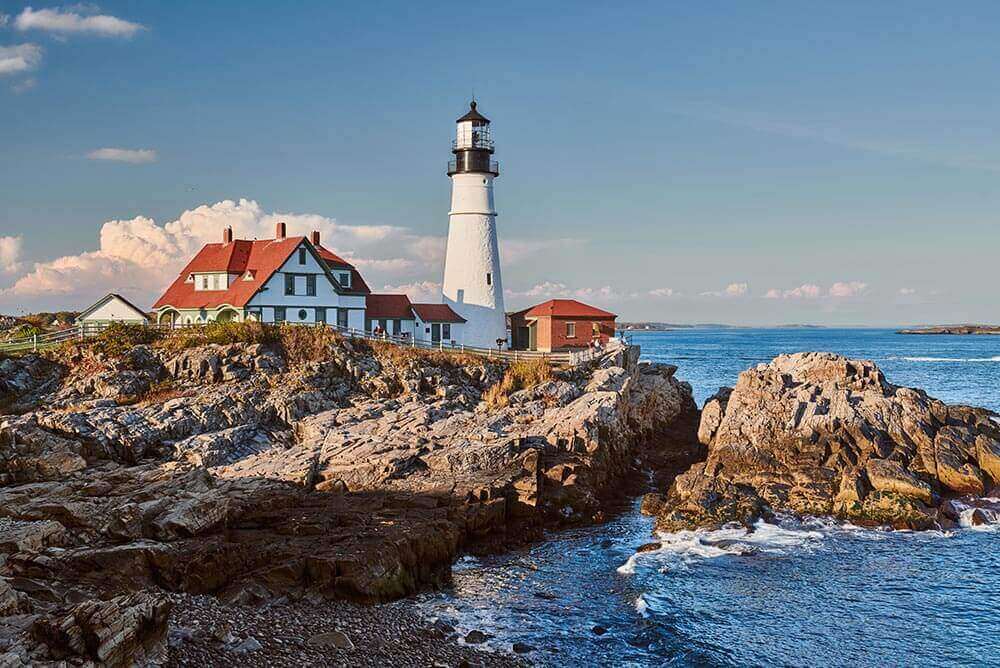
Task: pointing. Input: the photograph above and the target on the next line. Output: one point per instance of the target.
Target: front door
(436, 332)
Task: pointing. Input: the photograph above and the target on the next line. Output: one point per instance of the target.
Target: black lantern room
(473, 145)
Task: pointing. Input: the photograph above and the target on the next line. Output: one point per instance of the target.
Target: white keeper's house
(296, 280)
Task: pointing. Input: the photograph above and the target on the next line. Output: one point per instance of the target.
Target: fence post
(34, 343)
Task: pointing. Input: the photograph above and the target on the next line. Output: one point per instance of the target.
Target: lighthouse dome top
(473, 115)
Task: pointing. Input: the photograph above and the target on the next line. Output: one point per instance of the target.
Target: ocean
(795, 594)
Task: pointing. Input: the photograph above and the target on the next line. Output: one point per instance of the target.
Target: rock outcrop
(820, 434)
(233, 470)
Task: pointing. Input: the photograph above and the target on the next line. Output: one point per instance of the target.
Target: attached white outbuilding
(112, 308)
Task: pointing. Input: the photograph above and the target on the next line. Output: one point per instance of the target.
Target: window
(342, 317)
(311, 285)
(446, 331)
(289, 284)
(279, 314)
(489, 279)
(321, 315)
(302, 255)
(396, 327)
(302, 314)
(344, 278)
(460, 297)
(570, 330)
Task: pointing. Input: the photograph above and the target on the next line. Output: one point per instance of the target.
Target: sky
(746, 163)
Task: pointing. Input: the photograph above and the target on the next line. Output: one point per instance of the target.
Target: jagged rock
(890, 476)
(821, 434)
(239, 474)
(122, 631)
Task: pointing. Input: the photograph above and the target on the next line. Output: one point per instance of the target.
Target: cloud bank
(140, 257)
(135, 156)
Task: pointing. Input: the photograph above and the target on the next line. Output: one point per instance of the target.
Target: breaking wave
(995, 358)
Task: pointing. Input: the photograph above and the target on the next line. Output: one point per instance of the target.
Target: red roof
(388, 307)
(567, 308)
(258, 258)
(436, 313)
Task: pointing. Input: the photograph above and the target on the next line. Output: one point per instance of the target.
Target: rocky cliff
(250, 471)
(820, 434)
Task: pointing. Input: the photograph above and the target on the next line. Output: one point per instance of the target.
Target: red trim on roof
(567, 308)
(436, 313)
(388, 307)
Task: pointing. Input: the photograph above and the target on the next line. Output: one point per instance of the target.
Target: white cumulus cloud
(906, 292)
(10, 254)
(419, 291)
(731, 290)
(851, 289)
(804, 291)
(19, 58)
(68, 22)
(136, 156)
(839, 290)
(663, 292)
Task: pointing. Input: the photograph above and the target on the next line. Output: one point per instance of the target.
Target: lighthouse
(472, 286)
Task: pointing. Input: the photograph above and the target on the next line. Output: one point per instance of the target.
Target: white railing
(37, 342)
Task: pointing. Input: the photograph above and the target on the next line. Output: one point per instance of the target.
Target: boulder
(821, 434)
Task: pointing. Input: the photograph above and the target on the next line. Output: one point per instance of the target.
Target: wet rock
(475, 637)
(598, 630)
(522, 648)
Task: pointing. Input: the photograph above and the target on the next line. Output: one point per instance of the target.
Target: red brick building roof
(254, 261)
(388, 307)
(436, 313)
(567, 308)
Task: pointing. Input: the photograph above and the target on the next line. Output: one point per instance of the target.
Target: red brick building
(560, 324)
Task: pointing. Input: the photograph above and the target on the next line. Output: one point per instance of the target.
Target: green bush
(222, 333)
(119, 337)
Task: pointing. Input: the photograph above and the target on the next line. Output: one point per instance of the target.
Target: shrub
(222, 333)
(307, 344)
(518, 376)
(402, 355)
(120, 337)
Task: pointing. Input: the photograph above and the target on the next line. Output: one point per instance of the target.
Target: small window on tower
(489, 279)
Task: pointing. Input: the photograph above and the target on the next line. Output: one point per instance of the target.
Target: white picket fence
(85, 331)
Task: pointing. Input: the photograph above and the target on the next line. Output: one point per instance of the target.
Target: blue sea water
(794, 594)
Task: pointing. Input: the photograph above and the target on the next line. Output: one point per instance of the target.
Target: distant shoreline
(954, 329)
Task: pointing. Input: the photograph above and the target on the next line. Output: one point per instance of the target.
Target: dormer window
(344, 278)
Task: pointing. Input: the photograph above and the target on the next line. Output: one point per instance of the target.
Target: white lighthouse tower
(472, 284)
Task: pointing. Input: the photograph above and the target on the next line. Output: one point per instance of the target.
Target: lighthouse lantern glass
(473, 134)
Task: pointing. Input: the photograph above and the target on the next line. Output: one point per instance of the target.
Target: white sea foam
(680, 549)
(641, 606)
(995, 358)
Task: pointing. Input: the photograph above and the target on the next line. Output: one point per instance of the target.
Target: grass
(221, 333)
(157, 393)
(120, 337)
(518, 376)
(402, 355)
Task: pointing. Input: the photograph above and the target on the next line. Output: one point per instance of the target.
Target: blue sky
(750, 163)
